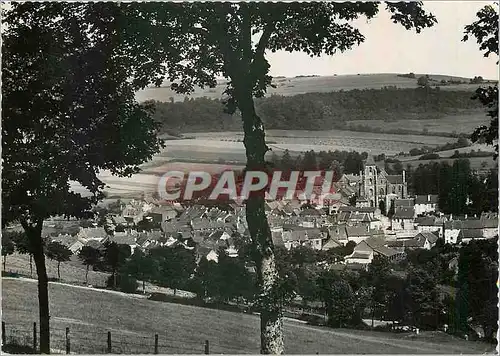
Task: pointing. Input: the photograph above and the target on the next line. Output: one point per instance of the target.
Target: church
(373, 185)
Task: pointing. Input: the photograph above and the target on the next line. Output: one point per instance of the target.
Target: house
(124, 238)
(366, 250)
(204, 224)
(429, 224)
(405, 203)
(294, 236)
(337, 233)
(403, 218)
(466, 235)
(151, 238)
(455, 230)
(426, 239)
(490, 224)
(162, 213)
(73, 243)
(358, 233)
(219, 235)
(92, 233)
(426, 204)
(330, 243)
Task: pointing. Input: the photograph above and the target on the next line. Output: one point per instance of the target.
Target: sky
(390, 48)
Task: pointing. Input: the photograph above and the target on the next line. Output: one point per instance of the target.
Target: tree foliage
(477, 289)
(68, 111)
(58, 252)
(90, 256)
(485, 31)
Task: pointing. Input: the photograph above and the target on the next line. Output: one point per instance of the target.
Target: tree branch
(264, 40)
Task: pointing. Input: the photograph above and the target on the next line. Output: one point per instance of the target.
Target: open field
(464, 122)
(294, 86)
(476, 163)
(183, 329)
(302, 140)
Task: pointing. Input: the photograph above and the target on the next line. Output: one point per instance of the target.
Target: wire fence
(88, 340)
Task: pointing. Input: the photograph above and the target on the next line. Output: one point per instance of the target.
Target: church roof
(369, 161)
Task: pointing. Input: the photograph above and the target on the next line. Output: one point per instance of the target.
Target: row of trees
(340, 162)
(459, 190)
(314, 110)
(13, 241)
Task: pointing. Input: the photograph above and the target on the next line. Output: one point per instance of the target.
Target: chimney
(429, 198)
(404, 176)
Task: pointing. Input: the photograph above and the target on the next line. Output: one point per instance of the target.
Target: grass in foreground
(90, 314)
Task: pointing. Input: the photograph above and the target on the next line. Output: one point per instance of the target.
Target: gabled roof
(404, 213)
(331, 243)
(94, 244)
(385, 251)
(489, 222)
(427, 199)
(359, 255)
(425, 235)
(375, 241)
(463, 224)
(403, 203)
(405, 243)
(355, 231)
(126, 239)
(93, 233)
(311, 212)
(425, 221)
(470, 234)
(67, 240)
(357, 209)
(295, 235)
(338, 233)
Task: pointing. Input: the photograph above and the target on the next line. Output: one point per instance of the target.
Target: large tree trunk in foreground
(35, 239)
(271, 324)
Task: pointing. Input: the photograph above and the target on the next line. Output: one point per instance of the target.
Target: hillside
(183, 329)
(332, 110)
(308, 84)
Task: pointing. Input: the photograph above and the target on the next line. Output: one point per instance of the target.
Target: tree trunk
(87, 276)
(4, 262)
(270, 311)
(35, 239)
(58, 270)
(114, 279)
(143, 286)
(31, 265)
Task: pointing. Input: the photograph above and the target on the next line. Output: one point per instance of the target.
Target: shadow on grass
(15, 348)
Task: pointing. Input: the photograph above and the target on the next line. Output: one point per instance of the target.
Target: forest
(315, 111)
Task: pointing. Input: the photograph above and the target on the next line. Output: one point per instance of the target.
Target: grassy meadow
(183, 329)
(301, 85)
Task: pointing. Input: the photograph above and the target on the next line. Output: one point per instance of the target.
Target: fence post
(68, 345)
(34, 337)
(156, 344)
(207, 347)
(4, 337)
(109, 342)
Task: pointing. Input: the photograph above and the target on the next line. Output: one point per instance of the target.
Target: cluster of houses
(415, 223)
